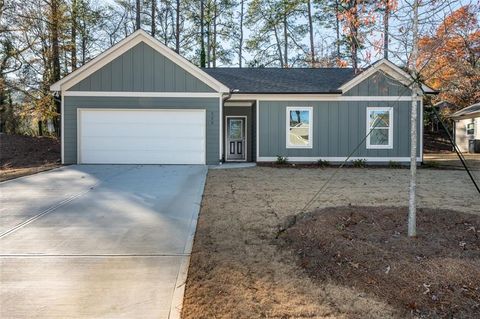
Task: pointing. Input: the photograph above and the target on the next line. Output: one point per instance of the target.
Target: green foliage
(281, 160)
(359, 163)
(323, 163)
(393, 164)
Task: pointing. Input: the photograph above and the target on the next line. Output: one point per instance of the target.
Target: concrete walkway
(105, 241)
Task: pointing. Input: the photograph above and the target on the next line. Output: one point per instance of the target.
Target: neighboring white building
(467, 128)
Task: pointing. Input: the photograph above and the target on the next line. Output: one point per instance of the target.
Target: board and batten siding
(141, 69)
(72, 103)
(338, 127)
(379, 84)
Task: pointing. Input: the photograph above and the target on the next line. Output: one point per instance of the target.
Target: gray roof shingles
(469, 110)
(277, 80)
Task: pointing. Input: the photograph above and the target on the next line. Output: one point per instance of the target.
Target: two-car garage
(147, 136)
(139, 102)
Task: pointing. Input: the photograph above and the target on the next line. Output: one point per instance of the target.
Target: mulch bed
(436, 274)
(26, 151)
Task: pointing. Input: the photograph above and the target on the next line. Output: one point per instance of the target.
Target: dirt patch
(436, 142)
(24, 155)
(436, 274)
(239, 269)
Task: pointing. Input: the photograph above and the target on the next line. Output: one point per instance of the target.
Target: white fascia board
(123, 46)
(313, 97)
(142, 94)
(338, 159)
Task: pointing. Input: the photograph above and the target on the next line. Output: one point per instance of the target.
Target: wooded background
(43, 40)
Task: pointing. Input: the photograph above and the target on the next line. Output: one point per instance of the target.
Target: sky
(325, 37)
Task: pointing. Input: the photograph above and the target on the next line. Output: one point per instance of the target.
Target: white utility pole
(412, 207)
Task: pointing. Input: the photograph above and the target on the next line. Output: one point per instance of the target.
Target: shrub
(394, 164)
(361, 162)
(323, 163)
(281, 160)
(431, 164)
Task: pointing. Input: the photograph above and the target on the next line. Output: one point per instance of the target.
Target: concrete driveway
(105, 241)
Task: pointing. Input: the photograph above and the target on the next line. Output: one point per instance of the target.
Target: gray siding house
(141, 103)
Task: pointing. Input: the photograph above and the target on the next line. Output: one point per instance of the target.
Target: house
(467, 128)
(140, 102)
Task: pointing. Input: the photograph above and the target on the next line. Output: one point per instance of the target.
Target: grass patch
(436, 274)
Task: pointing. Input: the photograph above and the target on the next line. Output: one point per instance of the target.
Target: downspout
(225, 97)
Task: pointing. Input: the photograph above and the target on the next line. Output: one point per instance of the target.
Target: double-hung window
(299, 127)
(379, 127)
(471, 128)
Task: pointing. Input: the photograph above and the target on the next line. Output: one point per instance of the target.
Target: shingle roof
(277, 80)
(468, 111)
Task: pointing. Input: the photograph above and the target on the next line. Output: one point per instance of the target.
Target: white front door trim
(245, 137)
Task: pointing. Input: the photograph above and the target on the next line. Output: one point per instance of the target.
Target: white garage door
(141, 136)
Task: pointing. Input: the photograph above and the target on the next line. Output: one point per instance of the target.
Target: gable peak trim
(126, 44)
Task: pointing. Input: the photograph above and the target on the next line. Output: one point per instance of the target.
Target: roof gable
(379, 84)
(388, 69)
(124, 46)
(141, 69)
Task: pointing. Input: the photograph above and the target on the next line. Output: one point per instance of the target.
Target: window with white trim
(299, 126)
(470, 128)
(380, 126)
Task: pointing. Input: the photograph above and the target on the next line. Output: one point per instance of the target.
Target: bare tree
(74, 27)
(412, 207)
(177, 27)
(202, 33)
(386, 17)
(310, 31)
(240, 41)
(153, 14)
(137, 15)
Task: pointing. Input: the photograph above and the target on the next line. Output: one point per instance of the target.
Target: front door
(235, 139)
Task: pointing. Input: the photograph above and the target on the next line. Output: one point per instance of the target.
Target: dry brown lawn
(240, 269)
(25, 155)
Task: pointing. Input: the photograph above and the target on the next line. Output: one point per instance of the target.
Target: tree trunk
(137, 15)
(354, 40)
(279, 47)
(202, 33)
(73, 49)
(285, 37)
(154, 22)
(214, 42)
(412, 207)
(386, 17)
(337, 29)
(208, 34)
(310, 26)
(40, 128)
(84, 44)
(177, 27)
(55, 31)
(240, 44)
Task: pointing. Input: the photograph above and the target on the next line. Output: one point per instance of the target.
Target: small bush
(394, 164)
(281, 160)
(431, 164)
(360, 163)
(323, 163)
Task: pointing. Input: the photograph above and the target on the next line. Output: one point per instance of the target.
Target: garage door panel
(142, 136)
(125, 131)
(146, 143)
(143, 158)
